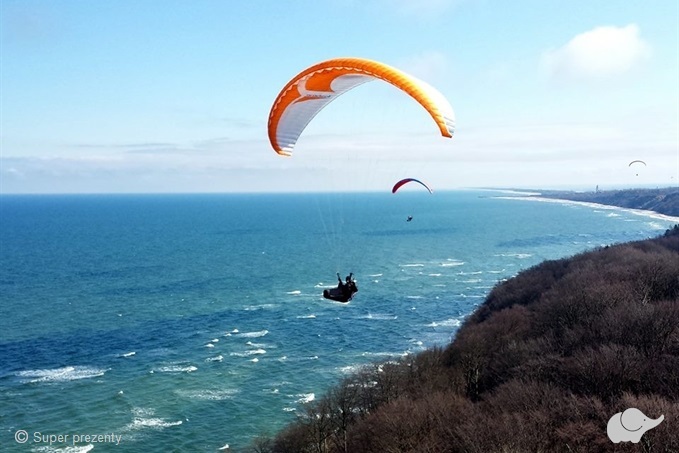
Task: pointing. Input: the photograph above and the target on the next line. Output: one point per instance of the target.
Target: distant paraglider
(405, 181)
(637, 163)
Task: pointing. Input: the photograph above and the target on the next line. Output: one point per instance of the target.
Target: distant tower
(597, 188)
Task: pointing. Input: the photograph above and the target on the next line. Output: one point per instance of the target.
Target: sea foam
(207, 394)
(68, 373)
(145, 418)
(257, 334)
(176, 369)
(305, 398)
(69, 449)
(452, 322)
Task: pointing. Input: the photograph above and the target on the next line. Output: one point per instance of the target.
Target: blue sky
(173, 96)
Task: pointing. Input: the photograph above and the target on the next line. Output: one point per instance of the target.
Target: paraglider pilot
(348, 287)
(340, 285)
(345, 289)
(350, 284)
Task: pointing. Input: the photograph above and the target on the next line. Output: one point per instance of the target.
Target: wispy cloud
(520, 154)
(600, 53)
(125, 146)
(212, 145)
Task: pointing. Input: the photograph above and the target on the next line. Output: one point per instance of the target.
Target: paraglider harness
(344, 291)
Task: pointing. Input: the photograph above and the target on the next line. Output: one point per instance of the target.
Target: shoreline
(659, 203)
(591, 204)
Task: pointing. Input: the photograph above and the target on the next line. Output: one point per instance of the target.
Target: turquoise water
(188, 322)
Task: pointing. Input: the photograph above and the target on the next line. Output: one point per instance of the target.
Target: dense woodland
(540, 366)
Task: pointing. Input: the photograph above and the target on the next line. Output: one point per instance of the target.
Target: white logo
(306, 94)
(630, 425)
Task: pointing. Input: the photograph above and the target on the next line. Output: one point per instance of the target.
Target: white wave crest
(176, 369)
(145, 418)
(207, 395)
(74, 449)
(156, 423)
(259, 307)
(248, 353)
(305, 398)
(380, 316)
(452, 322)
(68, 373)
(298, 359)
(515, 255)
(349, 369)
(383, 354)
(257, 334)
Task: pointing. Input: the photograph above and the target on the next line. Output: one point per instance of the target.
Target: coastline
(639, 212)
(660, 203)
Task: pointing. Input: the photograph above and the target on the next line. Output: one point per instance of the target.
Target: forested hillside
(541, 365)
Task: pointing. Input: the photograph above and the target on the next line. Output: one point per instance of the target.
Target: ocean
(191, 322)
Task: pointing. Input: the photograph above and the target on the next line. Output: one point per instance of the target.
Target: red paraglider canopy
(406, 181)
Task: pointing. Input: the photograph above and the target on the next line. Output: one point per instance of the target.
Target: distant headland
(661, 200)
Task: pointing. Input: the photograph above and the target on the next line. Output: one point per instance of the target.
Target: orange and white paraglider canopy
(315, 87)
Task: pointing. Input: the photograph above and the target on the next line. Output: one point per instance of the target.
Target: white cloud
(519, 154)
(600, 53)
(13, 172)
